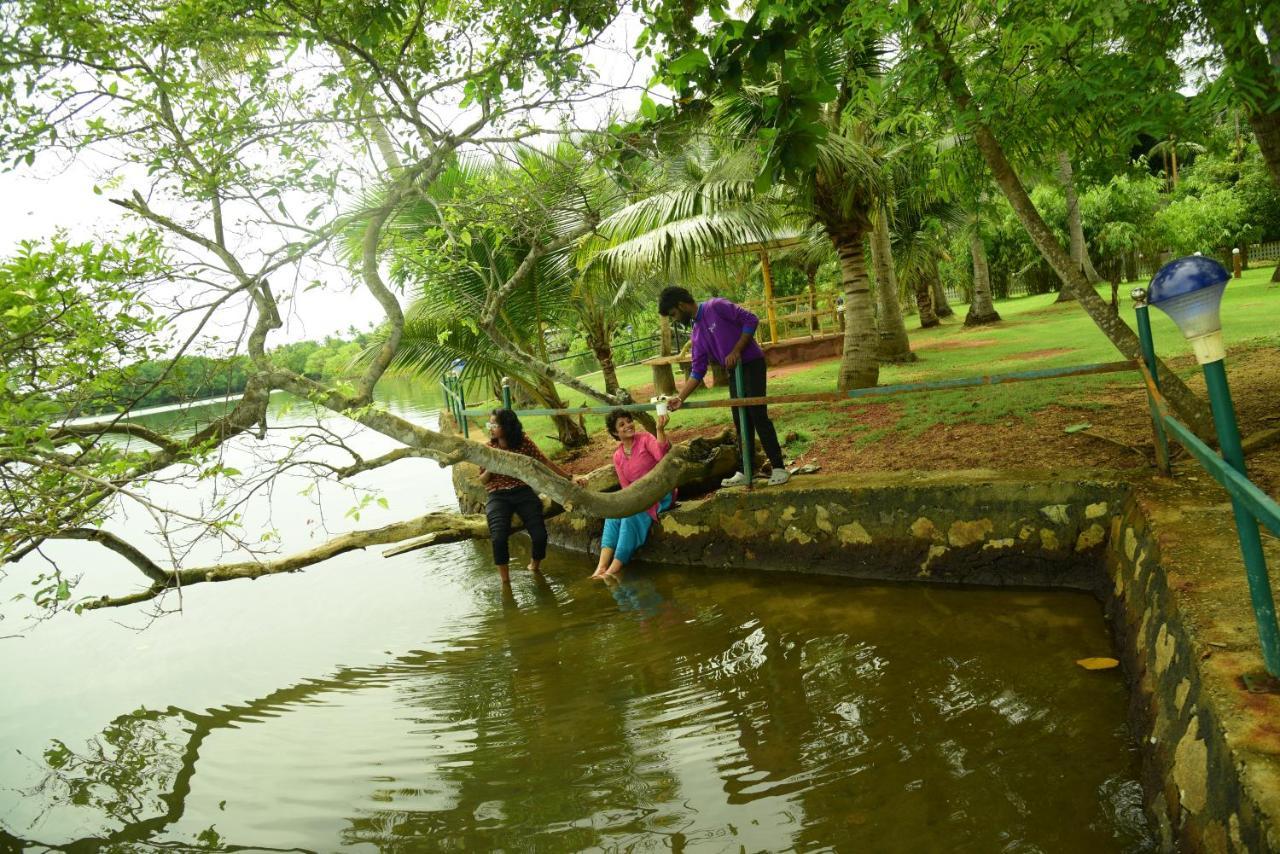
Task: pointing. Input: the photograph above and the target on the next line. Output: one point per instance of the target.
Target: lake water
(408, 704)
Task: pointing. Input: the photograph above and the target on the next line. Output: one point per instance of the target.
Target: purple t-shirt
(716, 329)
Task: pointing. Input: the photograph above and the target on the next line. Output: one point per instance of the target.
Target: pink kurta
(645, 454)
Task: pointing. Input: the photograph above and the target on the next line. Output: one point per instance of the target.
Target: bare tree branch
(148, 567)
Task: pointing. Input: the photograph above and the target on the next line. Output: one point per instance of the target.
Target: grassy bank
(1034, 333)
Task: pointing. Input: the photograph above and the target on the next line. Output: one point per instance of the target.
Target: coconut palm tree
(692, 224)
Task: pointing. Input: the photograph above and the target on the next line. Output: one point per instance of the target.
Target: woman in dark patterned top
(509, 495)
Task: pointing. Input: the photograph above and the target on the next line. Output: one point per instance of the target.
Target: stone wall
(1180, 612)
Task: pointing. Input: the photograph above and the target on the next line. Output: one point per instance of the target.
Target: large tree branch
(449, 449)
(714, 458)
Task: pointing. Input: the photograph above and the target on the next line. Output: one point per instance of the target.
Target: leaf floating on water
(1098, 663)
(1078, 428)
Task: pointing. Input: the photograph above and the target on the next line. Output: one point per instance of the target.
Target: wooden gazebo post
(767, 272)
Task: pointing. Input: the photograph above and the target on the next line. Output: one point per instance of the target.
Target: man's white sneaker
(779, 476)
(738, 479)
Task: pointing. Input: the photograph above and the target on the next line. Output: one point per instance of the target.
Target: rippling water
(408, 704)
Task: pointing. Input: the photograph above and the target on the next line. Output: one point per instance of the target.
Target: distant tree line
(158, 382)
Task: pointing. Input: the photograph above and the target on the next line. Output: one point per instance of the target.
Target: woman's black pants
(502, 504)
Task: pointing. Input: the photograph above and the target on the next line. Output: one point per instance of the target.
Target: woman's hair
(611, 420)
(512, 429)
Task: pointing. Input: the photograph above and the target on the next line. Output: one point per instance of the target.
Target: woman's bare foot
(535, 566)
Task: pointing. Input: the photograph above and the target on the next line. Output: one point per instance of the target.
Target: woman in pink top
(638, 452)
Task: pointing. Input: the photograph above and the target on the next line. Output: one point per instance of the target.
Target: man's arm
(697, 370)
(689, 387)
(731, 360)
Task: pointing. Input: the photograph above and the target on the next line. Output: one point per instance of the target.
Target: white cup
(662, 407)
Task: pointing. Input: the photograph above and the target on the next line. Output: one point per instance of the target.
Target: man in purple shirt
(722, 331)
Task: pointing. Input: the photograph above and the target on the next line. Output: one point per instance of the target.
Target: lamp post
(1190, 290)
(1235, 262)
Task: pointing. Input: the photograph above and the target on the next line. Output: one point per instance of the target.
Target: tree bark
(604, 357)
(982, 309)
(569, 432)
(924, 302)
(940, 305)
(894, 344)
(1075, 227)
(1181, 398)
(860, 364)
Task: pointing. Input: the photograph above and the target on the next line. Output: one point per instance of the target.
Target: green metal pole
(744, 435)
(455, 409)
(447, 393)
(462, 405)
(1255, 562)
(506, 392)
(1148, 346)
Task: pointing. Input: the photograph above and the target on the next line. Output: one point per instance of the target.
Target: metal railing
(456, 399)
(1249, 504)
(631, 351)
(739, 403)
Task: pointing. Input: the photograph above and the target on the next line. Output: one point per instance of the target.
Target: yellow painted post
(768, 297)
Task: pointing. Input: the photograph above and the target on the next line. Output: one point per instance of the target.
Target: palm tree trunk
(1075, 228)
(569, 431)
(604, 356)
(1181, 398)
(860, 364)
(981, 308)
(940, 305)
(924, 302)
(894, 344)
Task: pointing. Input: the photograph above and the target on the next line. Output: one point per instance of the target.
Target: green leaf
(688, 62)
(1078, 428)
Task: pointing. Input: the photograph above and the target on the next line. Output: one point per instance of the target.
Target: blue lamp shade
(457, 367)
(1189, 290)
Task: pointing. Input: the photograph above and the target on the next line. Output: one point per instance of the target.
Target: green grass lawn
(1034, 333)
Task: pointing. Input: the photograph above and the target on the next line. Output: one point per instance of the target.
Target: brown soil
(1119, 437)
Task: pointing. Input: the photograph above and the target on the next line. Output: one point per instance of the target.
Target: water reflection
(711, 713)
